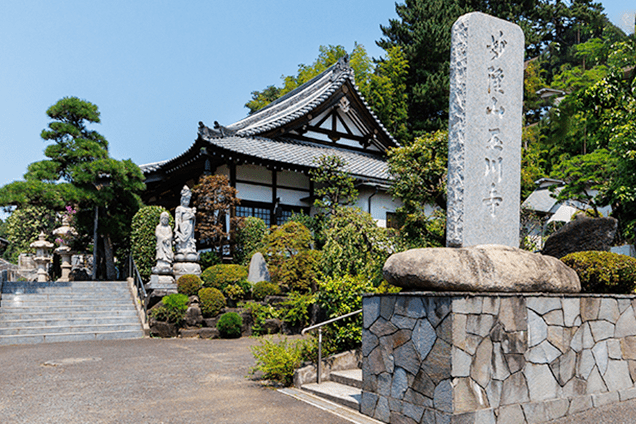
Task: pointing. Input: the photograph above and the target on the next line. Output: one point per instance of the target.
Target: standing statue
(184, 218)
(163, 232)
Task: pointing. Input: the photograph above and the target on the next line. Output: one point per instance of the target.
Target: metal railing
(319, 327)
(133, 272)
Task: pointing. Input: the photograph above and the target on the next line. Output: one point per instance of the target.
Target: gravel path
(142, 381)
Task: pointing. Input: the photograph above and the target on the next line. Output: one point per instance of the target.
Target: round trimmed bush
(264, 288)
(603, 272)
(211, 301)
(219, 276)
(189, 284)
(230, 325)
(143, 241)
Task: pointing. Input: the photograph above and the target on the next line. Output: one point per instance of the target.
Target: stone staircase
(32, 312)
(342, 387)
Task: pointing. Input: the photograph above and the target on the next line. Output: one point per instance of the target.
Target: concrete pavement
(142, 381)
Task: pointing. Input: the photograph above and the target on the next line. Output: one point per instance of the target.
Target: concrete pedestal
(183, 268)
(495, 358)
(162, 282)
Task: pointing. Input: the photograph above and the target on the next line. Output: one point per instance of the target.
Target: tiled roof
(541, 200)
(301, 101)
(151, 167)
(299, 153)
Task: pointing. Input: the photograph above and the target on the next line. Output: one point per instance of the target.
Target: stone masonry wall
(495, 358)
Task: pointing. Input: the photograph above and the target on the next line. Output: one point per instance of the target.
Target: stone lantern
(65, 234)
(42, 256)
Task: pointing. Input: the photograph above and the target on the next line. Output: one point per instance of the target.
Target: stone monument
(65, 235)
(42, 256)
(186, 260)
(484, 151)
(162, 274)
(258, 269)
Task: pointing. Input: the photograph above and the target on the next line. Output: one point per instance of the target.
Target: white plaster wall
(293, 179)
(254, 173)
(254, 193)
(292, 197)
(381, 203)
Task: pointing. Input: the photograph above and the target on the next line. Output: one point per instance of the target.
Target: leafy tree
(335, 187)
(22, 228)
(250, 238)
(215, 199)
(80, 171)
(143, 241)
(329, 55)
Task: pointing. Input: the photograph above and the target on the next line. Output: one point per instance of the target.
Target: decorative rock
(544, 353)
(468, 396)
(272, 325)
(515, 390)
(628, 347)
(589, 308)
(560, 337)
(163, 329)
(616, 376)
(493, 391)
(535, 413)
(461, 363)
(571, 310)
(486, 268)
(600, 355)
(468, 305)
(601, 330)
(626, 324)
(193, 316)
(424, 338)
(371, 306)
(209, 333)
(554, 318)
(609, 310)
(367, 403)
(614, 349)
(511, 415)
(382, 411)
(408, 358)
(480, 324)
(500, 369)
(579, 404)
(537, 329)
(481, 367)
(595, 383)
(543, 305)
(581, 235)
(564, 367)
(400, 383)
(513, 314)
(443, 396)
(258, 269)
(586, 364)
(437, 364)
(556, 408)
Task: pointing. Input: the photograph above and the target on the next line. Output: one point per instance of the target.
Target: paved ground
(142, 381)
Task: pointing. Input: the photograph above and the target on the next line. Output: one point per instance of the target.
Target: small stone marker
(258, 269)
(484, 150)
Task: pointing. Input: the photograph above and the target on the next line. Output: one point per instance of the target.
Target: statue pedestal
(162, 282)
(183, 268)
(65, 255)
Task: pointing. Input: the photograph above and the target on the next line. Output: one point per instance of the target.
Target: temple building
(267, 156)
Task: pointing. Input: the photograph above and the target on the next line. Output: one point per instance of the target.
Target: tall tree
(79, 171)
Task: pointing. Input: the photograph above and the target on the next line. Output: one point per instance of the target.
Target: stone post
(65, 234)
(484, 150)
(42, 257)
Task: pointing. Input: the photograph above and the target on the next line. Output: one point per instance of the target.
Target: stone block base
(495, 358)
(162, 282)
(183, 268)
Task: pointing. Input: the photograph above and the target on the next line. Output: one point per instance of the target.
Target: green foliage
(250, 238)
(291, 263)
(296, 308)
(229, 325)
(172, 310)
(143, 240)
(79, 171)
(219, 276)
(24, 226)
(316, 224)
(603, 272)
(260, 313)
(212, 301)
(263, 289)
(328, 56)
(335, 187)
(278, 360)
(340, 296)
(189, 284)
(355, 245)
(209, 258)
(237, 291)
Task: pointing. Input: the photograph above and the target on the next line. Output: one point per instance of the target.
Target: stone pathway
(142, 381)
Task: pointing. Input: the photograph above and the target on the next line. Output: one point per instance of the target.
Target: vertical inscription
(494, 146)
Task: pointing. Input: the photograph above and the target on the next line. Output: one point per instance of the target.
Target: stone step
(76, 308)
(336, 392)
(71, 337)
(352, 377)
(28, 303)
(93, 328)
(20, 315)
(68, 322)
(76, 286)
(339, 410)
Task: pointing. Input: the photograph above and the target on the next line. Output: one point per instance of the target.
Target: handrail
(319, 327)
(141, 290)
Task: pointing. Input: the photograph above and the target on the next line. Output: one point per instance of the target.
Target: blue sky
(157, 68)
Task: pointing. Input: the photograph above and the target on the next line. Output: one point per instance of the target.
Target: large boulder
(484, 268)
(581, 235)
(258, 269)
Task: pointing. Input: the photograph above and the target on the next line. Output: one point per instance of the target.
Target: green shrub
(143, 241)
(189, 284)
(278, 360)
(296, 308)
(603, 272)
(211, 301)
(263, 289)
(340, 296)
(284, 243)
(23, 227)
(219, 276)
(249, 238)
(173, 308)
(299, 272)
(230, 325)
(208, 259)
(260, 313)
(237, 291)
